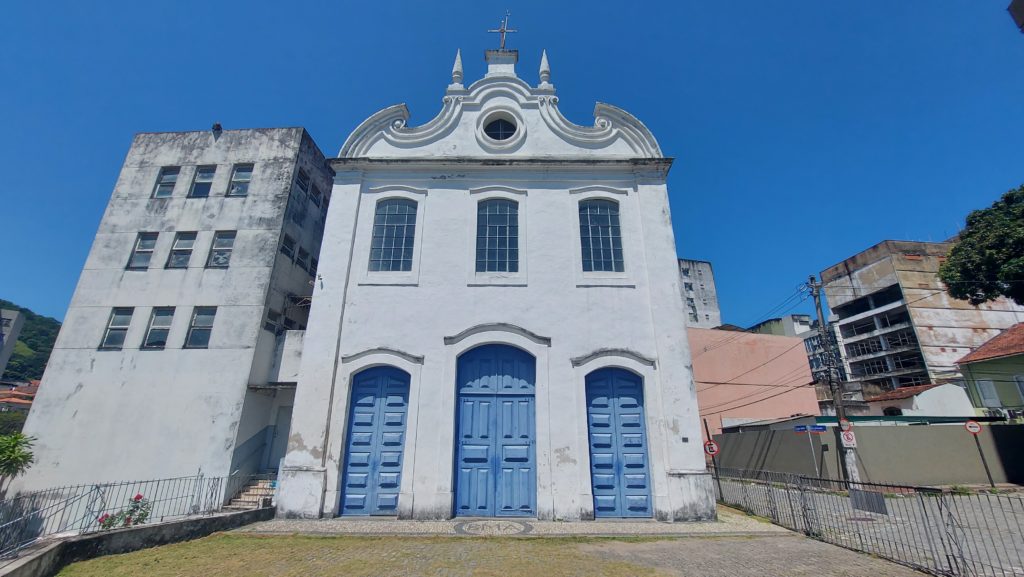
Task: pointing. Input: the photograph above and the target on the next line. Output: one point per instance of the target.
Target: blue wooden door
(619, 472)
(495, 471)
(375, 442)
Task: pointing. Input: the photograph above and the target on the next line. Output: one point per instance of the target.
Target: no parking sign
(711, 448)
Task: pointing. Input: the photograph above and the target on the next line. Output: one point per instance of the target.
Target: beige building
(899, 327)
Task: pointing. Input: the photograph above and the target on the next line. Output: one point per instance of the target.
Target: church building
(496, 327)
(479, 316)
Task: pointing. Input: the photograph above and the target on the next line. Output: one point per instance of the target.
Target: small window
(181, 252)
(601, 236)
(289, 324)
(686, 272)
(302, 259)
(241, 175)
(220, 250)
(989, 396)
(394, 231)
(165, 182)
(273, 321)
(142, 253)
(688, 286)
(202, 181)
(200, 327)
(313, 264)
(288, 246)
(693, 316)
(500, 129)
(302, 179)
(117, 328)
(497, 236)
(315, 195)
(892, 411)
(159, 327)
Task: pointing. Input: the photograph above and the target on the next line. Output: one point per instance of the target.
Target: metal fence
(78, 509)
(943, 532)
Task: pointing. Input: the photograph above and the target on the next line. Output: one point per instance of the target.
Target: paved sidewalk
(729, 523)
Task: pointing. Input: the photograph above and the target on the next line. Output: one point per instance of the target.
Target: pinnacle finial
(545, 68)
(457, 68)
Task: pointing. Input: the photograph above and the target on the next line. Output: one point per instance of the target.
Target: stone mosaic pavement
(729, 523)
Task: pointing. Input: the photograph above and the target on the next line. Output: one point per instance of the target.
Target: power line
(789, 390)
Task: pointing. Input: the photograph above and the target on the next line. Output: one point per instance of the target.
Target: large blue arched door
(372, 472)
(619, 473)
(495, 471)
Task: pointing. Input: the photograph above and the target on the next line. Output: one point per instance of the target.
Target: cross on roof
(504, 30)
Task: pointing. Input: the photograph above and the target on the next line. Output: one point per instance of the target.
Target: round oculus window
(500, 129)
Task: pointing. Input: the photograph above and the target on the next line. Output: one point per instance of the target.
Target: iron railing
(940, 531)
(78, 509)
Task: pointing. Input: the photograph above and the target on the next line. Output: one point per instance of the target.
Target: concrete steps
(256, 493)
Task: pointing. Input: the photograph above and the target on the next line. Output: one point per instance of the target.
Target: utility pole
(848, 458)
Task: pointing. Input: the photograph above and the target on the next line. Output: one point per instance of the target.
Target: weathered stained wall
(750, 376)
(135, 413)
(700, 295)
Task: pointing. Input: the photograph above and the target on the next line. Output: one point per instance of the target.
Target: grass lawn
(234, 554)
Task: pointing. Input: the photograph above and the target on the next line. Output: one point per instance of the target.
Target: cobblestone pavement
(729, 522)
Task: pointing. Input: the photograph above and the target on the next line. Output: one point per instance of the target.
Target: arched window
(892, 411)
(601, 236)
(497, 236)
(394, 229)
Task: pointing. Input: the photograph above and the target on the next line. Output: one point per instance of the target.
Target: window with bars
(394, 230)
(202, 181)
(220, 250)
(200, 328)
(497, 236)
(142, 252)
(165, 182)
(181, 251)
(601, 236)
(241, 176)
(159, 327)
(303, 181)
(117, 328)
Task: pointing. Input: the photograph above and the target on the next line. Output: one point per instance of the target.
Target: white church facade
(496, 327)
(486, 322)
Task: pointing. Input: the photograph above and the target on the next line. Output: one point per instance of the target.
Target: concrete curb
(49, 559)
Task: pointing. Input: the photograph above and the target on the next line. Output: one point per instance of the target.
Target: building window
(686, 272)
(200, 327)
(601, 236)
(241, 175)
(143, 251)
(313, 264)
(159, 326)
(302, 259)
(220, 250)
(302, 179)
(165, 182)
(289, 324)
(394, 229)
(288, 246)
(688, 286)
(892, 411)
(202, 181)
(314, 195)
(500, 129)
(1019, 380)
(117, 328)
(181, 252)
(989, 396)
(273, 321)
(497, 236)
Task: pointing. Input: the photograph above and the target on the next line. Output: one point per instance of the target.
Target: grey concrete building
(174, 349)
(10, 328)
(899, 327)
(787, 326)
(697, 282)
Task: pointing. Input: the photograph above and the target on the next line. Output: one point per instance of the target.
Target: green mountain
(32, 350)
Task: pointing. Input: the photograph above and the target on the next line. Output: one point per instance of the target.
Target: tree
(15, 458)
(988, 261)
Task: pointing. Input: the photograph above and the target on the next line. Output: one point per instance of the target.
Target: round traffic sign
(711, 448)
(973, 427)
(845, 424)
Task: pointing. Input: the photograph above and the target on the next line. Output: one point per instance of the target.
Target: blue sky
(803, 131)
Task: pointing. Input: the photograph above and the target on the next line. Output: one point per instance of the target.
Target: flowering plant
(136, 513)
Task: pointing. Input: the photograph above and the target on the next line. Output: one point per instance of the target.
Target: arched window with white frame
(394, 233)
(601, 236)
(497, 236)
